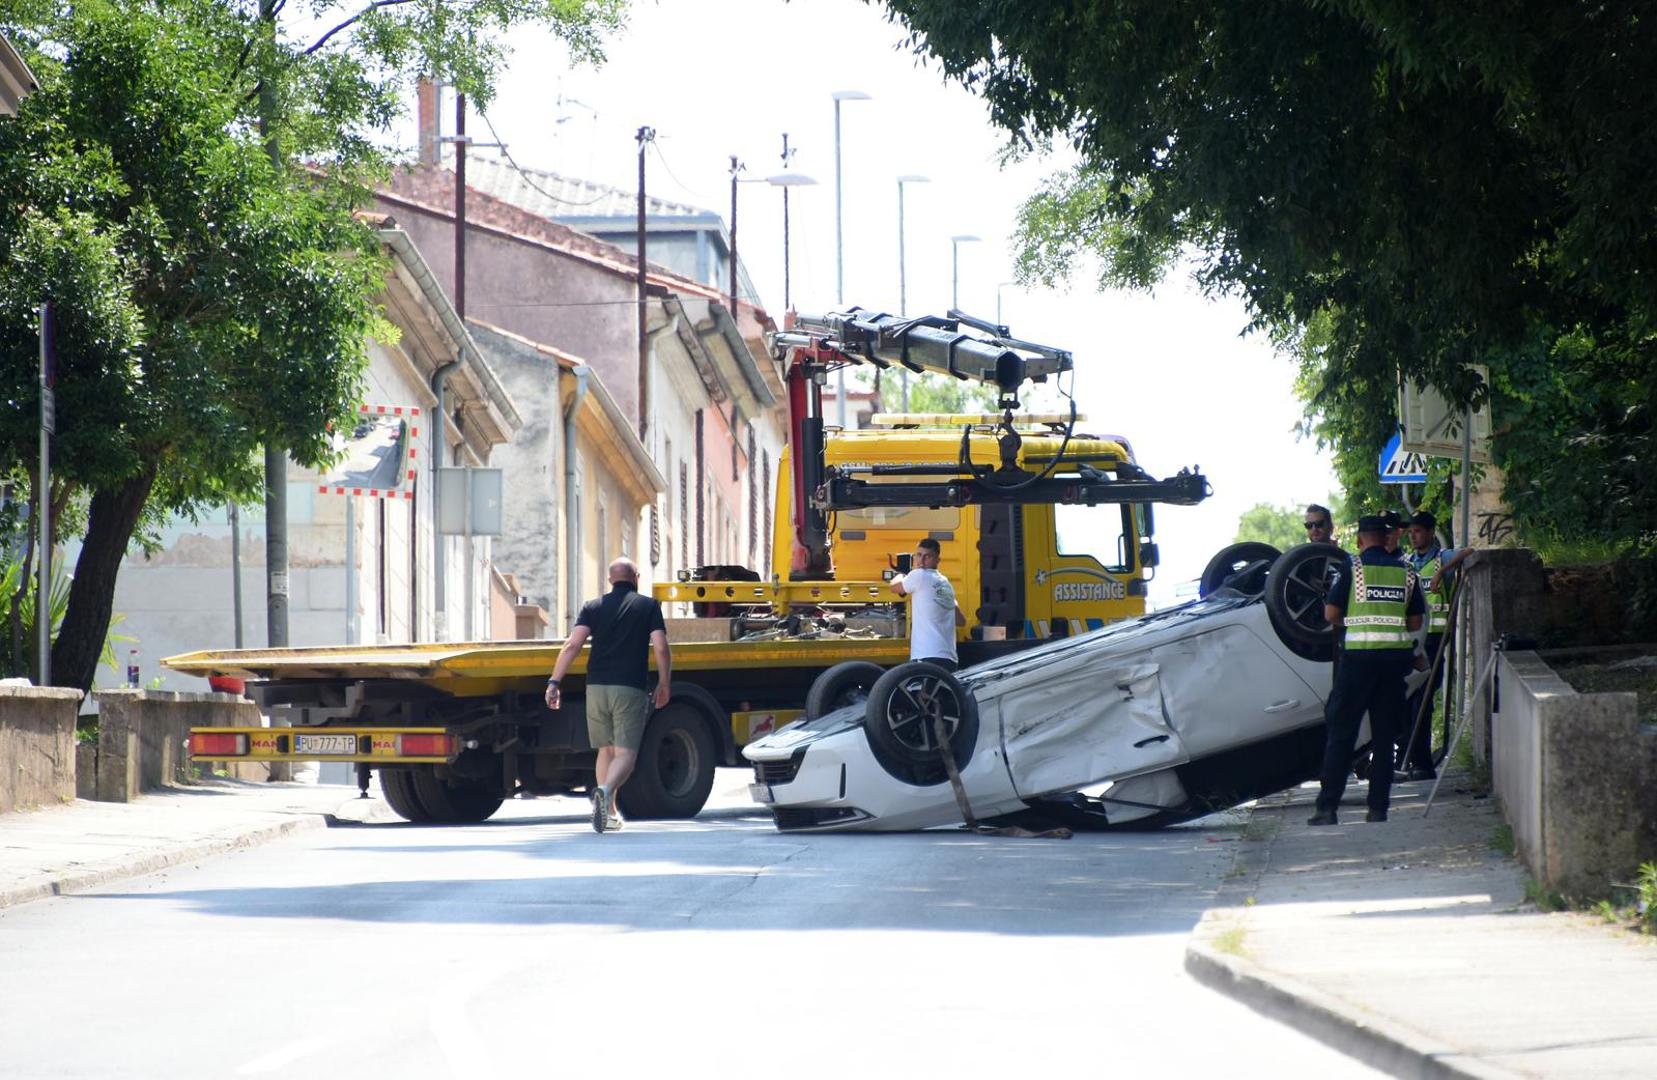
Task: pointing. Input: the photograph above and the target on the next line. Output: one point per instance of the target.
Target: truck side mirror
(1149, 555)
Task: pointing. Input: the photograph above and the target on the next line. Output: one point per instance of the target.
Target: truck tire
(674, 773)
(452, 801)
(397, 785)
(841, 685)
(1295, 594)
(897, 719)
(1231, 559)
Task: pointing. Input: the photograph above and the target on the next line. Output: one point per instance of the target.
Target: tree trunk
(110, 524)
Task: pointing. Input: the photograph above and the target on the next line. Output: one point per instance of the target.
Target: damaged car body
(1146, 722)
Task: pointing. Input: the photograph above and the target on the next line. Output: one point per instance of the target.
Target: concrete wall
(37, 746)
(1577, 778)
(142, 736)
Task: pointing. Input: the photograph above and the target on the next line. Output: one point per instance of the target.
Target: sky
(1172, 371)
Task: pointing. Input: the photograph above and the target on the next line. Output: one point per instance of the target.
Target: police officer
(1435, 567)
(1375, 603)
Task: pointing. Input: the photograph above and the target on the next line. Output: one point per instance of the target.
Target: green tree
(211, 297)
(1394, 189)
(1279, 526)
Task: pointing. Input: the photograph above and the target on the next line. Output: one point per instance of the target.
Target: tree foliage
(183, 189)
(1393, 188)
(1279, 526)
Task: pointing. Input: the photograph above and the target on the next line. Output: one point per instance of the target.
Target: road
(529, 946)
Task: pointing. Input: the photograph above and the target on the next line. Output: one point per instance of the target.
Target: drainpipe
(440, 440)
(572, 502)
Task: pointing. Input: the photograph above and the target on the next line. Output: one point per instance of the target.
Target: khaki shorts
(615, 716)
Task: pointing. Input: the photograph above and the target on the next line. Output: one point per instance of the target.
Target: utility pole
(276, 456)
(839, 245)
(460, 206)
(645, 136)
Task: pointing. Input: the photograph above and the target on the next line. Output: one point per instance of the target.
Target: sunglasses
(1316, 525)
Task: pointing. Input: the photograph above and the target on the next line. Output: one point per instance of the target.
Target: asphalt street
(531, 946)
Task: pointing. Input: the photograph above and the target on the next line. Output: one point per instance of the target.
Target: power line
(524, 173)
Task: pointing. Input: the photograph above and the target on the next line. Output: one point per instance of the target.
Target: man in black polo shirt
(622, 625)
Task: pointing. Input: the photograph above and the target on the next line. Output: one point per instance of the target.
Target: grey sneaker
(601, 809)
(613, 823)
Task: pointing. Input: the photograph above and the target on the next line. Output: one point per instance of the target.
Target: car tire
(397, 785)
(1231, 560)
(1296, 590)
(674, 774)
(896, 721)
(841, 685)
(453, 801)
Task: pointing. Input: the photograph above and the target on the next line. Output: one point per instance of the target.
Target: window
(684, 514)
(1104, 532)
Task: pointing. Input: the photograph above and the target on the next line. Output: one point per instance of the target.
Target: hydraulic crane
(964, 348)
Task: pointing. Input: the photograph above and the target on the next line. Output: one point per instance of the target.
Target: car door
(1227, 687)
(1083, 721)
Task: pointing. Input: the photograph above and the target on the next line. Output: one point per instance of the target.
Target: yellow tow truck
(1047, 530)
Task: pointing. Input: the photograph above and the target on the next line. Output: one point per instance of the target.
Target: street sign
(479, 487)
(1433, 426)
(48, 410)
(1400, 466)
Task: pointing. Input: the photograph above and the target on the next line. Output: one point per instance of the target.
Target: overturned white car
(1146, 722)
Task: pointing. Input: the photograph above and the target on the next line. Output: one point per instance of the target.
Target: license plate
(325, 744)
(761, 793)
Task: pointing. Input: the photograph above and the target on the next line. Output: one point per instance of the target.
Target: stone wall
(37, 746)
(142, 736)
(1577, 778)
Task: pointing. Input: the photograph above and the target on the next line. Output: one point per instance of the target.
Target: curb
(1375, 1041)
(66, 883)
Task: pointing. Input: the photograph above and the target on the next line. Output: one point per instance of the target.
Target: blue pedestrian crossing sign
(1399, 466)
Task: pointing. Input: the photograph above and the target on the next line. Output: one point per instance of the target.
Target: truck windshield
(1099, 531)
(916, 518)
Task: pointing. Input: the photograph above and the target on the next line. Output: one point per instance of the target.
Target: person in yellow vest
(1375, 604)
(1435, 566)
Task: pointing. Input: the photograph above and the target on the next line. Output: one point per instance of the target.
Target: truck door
(1082, 568)
(1074, 723)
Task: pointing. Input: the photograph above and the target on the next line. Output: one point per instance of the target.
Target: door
(1226, 687)
(1065, 727)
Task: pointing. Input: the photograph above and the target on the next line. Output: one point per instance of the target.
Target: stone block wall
(37, 746)
(142, 737)
(1577, 778)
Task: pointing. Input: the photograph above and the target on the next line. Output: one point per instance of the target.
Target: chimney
(426, 111)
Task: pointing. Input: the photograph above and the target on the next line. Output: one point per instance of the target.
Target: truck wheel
(397, 785)
(454, 801)
(1296, 591)
(674, 773)
(841, 685)
(900, 710)
(1230, 560)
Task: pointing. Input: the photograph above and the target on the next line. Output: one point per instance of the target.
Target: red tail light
(426, 745)
(217, 744)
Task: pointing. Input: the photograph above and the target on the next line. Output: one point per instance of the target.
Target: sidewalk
(1410, 946)
(63, 849)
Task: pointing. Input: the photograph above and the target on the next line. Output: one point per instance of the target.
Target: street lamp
(998, 287)
(903, 286)
(955, 243)
(786, 180)
(839, 247)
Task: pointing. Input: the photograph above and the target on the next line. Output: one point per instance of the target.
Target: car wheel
(1232, 560)
(397, 785)
(898, 718)
(674, 773)
(453, 801)
(841, 685)
(1296, 591)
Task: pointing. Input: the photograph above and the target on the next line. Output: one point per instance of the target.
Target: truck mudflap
(375, 745)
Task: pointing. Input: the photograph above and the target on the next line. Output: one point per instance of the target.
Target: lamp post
(839, 242)
(786, 180)
(955, 243)
(903, 285)
(998, 287)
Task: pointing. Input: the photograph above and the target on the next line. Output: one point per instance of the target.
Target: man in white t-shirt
(933, 613)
